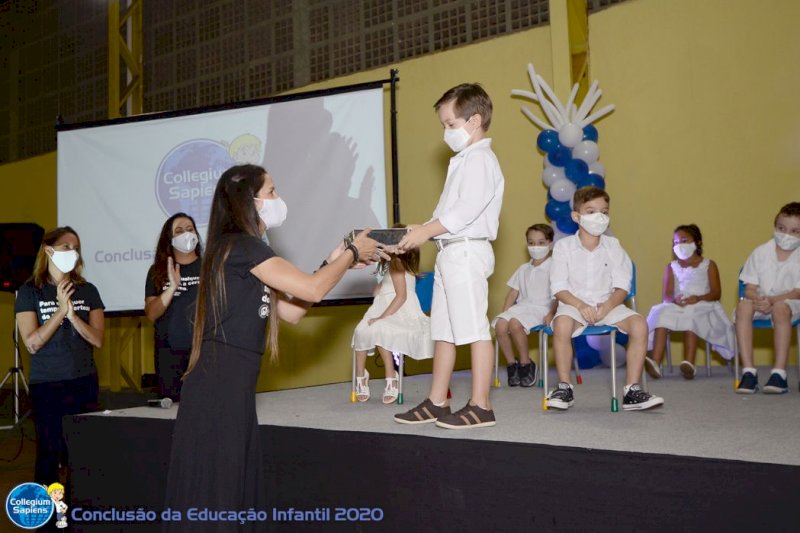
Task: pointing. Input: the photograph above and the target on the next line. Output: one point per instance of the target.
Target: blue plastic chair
(761, 323)
(424, 292)
(601, 330)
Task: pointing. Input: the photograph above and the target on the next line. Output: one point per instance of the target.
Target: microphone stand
(16, 373)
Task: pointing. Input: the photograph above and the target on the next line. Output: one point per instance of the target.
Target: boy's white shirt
(591, 276)
(773, 277)
(532, 283)
(473, 194)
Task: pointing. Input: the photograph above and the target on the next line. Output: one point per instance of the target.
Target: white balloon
(586, 151)
(562, 190)
(570, 135)
(602, 343)
(550, 175)
(597, 168)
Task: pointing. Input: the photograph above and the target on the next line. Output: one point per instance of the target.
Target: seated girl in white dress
(691, 293)
(393, 323)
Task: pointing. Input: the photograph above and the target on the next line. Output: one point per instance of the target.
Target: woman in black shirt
(215, 460)
(60, 320)
(169, 297)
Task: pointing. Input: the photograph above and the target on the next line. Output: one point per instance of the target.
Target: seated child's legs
(744, 331)
(519, 335)
(502, 332)
(563, 328)
(659, 344)
(636, 328)
(689, 346)
(782, 333)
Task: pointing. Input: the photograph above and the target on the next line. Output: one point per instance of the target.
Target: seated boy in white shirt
(772, 291)
(590, 277)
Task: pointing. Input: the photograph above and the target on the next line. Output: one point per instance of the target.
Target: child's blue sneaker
(748, 384)
(776, 385)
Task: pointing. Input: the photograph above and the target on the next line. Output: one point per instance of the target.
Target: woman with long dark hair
(60, 319)
(169, 297)
(215, 461)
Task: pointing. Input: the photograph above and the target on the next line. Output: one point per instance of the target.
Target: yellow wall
(706, 130)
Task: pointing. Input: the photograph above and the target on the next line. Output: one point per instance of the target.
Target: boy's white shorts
(794, 308)
(461, 293)
(620, 312)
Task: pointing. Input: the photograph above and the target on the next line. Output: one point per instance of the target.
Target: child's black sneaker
(513, 374)
(636, 399)
(527, 374)
(561, 397)
(776, 385)
(748, 384)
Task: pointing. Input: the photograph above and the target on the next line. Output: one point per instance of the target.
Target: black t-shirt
(173, 329)
(66, 355)
(244, 317)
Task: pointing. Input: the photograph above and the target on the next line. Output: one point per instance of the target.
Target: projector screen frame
(395, 191)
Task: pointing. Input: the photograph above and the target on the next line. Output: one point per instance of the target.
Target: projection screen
(119, 182)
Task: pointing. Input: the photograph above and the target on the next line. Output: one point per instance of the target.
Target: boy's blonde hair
(587, 194)
(470, 99)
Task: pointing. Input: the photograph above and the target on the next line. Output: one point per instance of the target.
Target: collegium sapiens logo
(29, 506)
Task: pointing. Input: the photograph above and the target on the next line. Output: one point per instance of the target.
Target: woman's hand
(369, 250)
(173, 274)
(64, 291)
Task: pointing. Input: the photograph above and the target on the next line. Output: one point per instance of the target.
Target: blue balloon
(559, 156)
(576, 170)
(547, 141)
(556, 210)
(566, 225)
(594, 180)
(587, 356)
(622, 338)
(590, 133)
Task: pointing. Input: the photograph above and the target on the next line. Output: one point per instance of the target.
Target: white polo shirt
(473, 194)
(773, 277)
(532, 283)
(593, 275)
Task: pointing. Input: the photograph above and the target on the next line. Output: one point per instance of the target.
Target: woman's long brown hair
(233, 212)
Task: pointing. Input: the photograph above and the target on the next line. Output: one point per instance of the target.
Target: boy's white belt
(441, 244)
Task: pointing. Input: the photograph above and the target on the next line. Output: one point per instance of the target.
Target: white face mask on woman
(185, 242)
(684, 250)
(273, 211)
(595, 223)
(65, 261)
(785, 241)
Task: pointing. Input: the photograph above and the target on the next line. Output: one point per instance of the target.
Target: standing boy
(464, 223)
(772, 291)
(590, 277)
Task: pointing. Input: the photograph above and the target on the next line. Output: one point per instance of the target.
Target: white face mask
(65, 261)
(684, 250)
(595, 223)
(457, 138)
(785, 241)
(273, 212)
(538, 252)
(185, 242)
